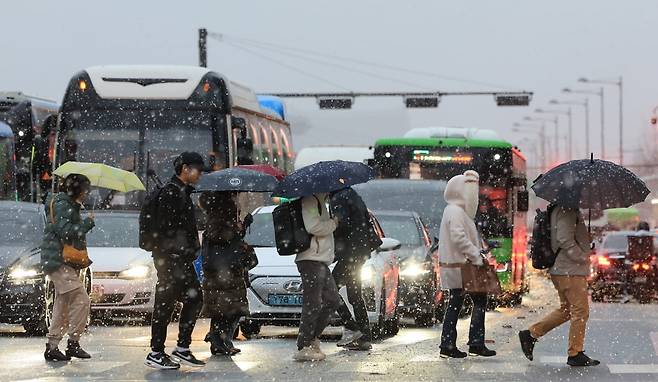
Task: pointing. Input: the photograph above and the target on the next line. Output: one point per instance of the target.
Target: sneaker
(527, 343)
(359, 345)
(316, 345)
(581, 360)
(348, 337)
(54, 354)
(187, 358)
(161, 361)
(309, 354)
(481, 351)
(74, 350)
(452, 353)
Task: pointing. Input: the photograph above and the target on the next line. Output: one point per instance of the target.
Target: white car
(123, 277)
(275, 294)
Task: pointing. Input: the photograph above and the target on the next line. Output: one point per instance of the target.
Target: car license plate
(97, 292)
(640, 280)
(284, 299)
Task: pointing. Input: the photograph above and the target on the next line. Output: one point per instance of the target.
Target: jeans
(348, 273)
(574, 307)
(476, 332)
(177, 281)
(321, 300)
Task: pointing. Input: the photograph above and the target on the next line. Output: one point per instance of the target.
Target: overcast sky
(532, 45)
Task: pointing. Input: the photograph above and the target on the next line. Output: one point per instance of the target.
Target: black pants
(348, 273)
(476, 332)
(321, 299)
(177, 281)
(224, 325)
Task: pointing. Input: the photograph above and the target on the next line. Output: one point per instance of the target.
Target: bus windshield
(114, 136)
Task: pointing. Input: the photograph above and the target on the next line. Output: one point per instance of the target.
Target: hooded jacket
(569, 235)
(458, 236)
(321, 227)
(68, 228)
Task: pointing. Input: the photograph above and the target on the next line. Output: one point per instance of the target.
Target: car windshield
(261, 231)
(118, 231)
(19, 227)
(402, 228)
(619, 242)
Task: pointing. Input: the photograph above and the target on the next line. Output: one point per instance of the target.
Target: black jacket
(351, 237)
(177, 230)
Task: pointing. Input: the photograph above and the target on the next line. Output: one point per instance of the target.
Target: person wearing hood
(571, 241)
(72, 303)
(320, 294)
(460, 243)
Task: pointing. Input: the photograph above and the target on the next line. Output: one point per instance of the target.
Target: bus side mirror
(522, 201)
(245, 146)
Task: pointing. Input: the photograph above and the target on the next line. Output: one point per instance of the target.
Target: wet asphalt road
(623, 336)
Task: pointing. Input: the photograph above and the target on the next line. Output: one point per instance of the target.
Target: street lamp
(542, 137)
(568, 113)
(585, 104)
(619, 83)
(600, 94)
(555, 123)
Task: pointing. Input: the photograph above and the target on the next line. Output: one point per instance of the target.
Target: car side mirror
(389, 244)
(522, 201)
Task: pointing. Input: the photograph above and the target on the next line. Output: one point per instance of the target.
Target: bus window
(266, 145)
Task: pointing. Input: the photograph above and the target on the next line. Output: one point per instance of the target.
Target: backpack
(290, 234)
(541, 250)
(148, 221)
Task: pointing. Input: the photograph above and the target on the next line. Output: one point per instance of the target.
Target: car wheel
(250, 328)
(424, 320)
(597, 296)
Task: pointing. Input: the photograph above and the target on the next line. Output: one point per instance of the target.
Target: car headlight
(414, 270)
(135, 272)
(367, 273)
(20, 273)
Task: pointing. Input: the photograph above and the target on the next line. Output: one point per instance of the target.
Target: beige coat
(321, 226)
(458, 237)
(570, 235)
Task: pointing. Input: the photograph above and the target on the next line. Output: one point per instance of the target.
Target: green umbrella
(102, 175)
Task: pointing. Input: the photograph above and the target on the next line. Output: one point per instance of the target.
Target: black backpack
(148, 228)
(289, 232)
(541, 250)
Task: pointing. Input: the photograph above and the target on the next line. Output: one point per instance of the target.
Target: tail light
(643, 266)
(603, 261)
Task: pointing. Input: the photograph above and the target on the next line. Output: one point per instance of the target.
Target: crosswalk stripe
(552, 359)
(633, 369)
(498, 368)
(361, 367)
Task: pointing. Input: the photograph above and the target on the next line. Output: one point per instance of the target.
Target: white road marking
(552, 359)
(498, 368)
(633, 369)
(361, 367)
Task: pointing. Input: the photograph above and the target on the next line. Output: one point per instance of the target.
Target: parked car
(124, 276)
(611, 267)
(275, 293)
(26, 294)
(420, 284)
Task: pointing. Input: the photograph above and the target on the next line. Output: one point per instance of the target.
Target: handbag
(480, 279)
(76, 258)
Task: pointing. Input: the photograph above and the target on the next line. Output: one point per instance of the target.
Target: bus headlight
(414, 270)
(140, 271)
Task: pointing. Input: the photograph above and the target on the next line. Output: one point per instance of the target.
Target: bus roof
(176, 83)
(447, 137)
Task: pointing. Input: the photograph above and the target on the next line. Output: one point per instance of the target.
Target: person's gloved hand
(248, 219)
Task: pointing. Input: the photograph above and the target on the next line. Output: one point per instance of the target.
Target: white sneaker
(316, 345)
(309, 353)
(349, 337)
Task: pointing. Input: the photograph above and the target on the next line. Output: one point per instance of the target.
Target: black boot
(581, 359)
(527, 343)
(54, 354)
(74, 350)
(217, 345)
(452, 353)
(481, 351)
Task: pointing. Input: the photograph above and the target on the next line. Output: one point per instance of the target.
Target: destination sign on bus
(428, 156)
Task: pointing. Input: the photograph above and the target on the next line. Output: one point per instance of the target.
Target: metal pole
(587, 127)
(570, 139)
(203, 51)
(621, 120)
(602, 125)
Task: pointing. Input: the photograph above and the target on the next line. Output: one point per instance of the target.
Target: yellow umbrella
(104, 176)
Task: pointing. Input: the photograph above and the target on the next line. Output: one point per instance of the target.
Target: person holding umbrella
(313, 184)
(590, 184)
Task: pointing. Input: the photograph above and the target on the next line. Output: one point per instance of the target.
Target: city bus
(139, 118)
(32, 121)
(441, 153)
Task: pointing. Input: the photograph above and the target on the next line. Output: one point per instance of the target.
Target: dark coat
(68, 228)
(177, 230)
(352, 236)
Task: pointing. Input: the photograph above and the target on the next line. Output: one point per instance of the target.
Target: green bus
(440, 153)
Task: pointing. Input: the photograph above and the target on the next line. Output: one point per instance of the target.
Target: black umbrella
(591, 183)
(323, 177)
(237, 180)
